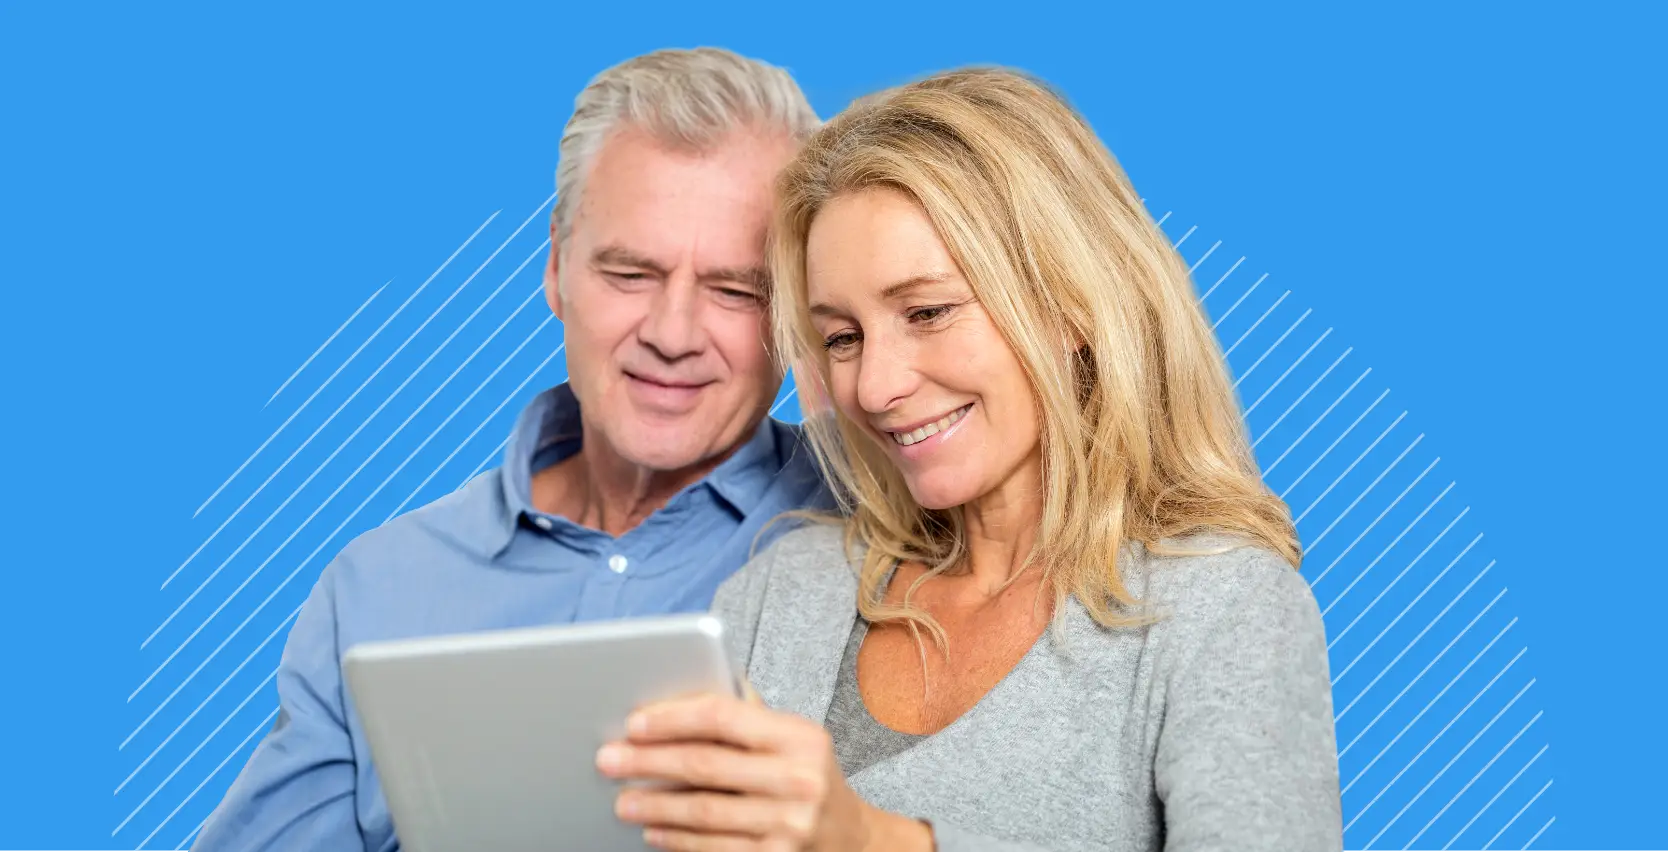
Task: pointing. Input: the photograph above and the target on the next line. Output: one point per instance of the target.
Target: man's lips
(670, 384)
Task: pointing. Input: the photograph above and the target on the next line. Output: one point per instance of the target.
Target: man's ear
(553, 278)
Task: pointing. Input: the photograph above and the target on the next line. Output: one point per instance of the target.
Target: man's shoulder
(456, 524)
(796, 479)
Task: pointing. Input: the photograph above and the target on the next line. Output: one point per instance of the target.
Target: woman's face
(914, 360)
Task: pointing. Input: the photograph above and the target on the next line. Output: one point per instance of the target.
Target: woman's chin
(938, 496)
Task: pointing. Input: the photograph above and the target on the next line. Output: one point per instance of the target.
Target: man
(634, 489)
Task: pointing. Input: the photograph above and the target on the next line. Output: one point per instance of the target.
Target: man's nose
(885, 373)
(672, 328)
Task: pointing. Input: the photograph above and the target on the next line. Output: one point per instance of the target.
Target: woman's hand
(745, 777)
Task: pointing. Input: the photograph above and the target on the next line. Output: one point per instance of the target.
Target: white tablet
(489, 740)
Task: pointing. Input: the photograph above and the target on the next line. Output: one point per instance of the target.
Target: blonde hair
(1141, 435)
(686, 99)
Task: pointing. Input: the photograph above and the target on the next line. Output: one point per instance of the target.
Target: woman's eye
(840, 341)
(928, 314)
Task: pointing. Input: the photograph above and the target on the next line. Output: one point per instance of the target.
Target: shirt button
(542, 523)
(617, 563)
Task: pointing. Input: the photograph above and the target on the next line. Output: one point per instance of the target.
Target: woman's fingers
(715, 718)
(711, 766)
(677, 840)
(717, 813)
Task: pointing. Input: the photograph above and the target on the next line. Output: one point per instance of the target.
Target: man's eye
(738, 295)
(622, 275)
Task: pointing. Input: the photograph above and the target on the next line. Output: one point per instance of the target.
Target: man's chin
(652, 440)
(668, 450)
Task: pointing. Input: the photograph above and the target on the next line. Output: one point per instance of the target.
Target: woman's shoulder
(803, 551)
(805, 568)
(802, 556)
(1201, 579)
(811, 544)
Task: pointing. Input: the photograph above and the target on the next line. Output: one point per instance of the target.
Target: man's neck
(597, 488)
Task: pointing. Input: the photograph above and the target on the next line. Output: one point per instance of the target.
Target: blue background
(195, 197)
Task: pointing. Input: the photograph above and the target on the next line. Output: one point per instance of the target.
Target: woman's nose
(885, 375)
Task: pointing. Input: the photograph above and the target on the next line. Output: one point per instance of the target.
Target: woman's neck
(1001, 528)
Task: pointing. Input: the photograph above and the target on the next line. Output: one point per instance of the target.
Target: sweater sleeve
(739, 602)
(1247, 756)
(948, 838)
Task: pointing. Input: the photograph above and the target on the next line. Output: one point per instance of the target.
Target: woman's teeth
(931, 429)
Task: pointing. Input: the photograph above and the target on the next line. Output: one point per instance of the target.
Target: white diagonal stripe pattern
(1351, 467)
(1242, 297)
(1445, 728)
(1273, 346)
(344, 444)
(1533, 799)
(325, 345)
(264, 725)
(1338, 440)
(1247, 332)
(1282, 378)
(1543, 828)
(1449, 765)
(471, 436)
(1486, 767)
(1494, 798)
(1323, 414)
(311, 397)
(1410, 645)
(1411, 604)
(309, 558)
(1397, 540)
(328, 420)
(442, 268)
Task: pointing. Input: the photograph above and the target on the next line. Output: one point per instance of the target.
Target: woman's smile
(915, 441)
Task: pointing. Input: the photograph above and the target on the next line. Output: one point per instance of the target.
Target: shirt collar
(549, 430)
(742, 479)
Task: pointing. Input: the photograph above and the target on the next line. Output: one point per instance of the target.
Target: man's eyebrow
(756, 277)
(622, 256)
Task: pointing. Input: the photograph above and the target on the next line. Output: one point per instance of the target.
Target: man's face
(660, 287)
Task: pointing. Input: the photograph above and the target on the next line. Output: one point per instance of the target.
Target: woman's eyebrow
(890, 291)
(914, 282)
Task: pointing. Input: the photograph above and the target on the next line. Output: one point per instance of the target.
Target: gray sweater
(1211, 729)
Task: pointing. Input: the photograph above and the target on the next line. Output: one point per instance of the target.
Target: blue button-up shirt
(484, 558)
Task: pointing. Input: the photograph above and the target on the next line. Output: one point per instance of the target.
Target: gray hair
(686, 99)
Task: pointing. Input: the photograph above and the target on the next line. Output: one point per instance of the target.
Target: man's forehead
(633, 166)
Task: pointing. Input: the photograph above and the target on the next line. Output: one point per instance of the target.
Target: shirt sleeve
(1247, 755)
(297, 791)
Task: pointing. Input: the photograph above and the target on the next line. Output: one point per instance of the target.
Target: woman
(1062, 610)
